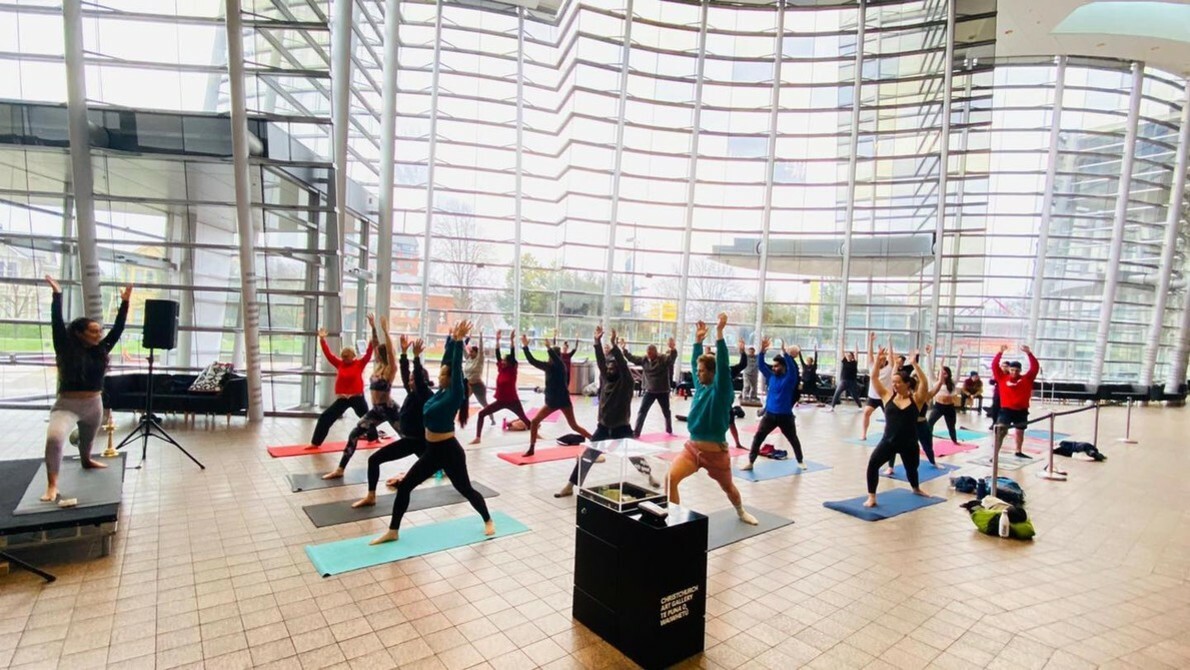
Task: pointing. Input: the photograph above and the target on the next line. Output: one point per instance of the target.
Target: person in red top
(349, 385)
(1015, 389)
(506, 393)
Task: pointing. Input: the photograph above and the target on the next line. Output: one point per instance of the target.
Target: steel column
(615, 209)
(429, 229)
(770, 165)
(849, 205)
(388, 140)
(1047, 204)
(518, 186)
(943, 177)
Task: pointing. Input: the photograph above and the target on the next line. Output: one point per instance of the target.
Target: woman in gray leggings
(81, 351)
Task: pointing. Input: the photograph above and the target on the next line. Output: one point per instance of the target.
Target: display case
(621, 474)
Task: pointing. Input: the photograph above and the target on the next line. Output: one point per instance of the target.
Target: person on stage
(349, 385)
(442, 449)
(707, 420)
(82, 354)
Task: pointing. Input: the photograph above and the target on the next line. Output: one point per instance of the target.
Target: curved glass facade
(781, 163)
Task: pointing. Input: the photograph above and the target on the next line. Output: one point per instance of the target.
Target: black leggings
(944, 412)
(887, 451)
(406, 446)
(447, 456)
(589, 455)
(513, 406)
(768, 424)
(646, 403)
(925, 438)
(850, 387)
(367, 428)
(331, 414)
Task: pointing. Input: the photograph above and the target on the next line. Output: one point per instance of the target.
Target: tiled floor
(209, 569)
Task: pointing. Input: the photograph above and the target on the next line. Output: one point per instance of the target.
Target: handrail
(1049, 472)
(1056, 414)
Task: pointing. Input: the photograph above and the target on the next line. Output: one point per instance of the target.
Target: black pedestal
(640, 586)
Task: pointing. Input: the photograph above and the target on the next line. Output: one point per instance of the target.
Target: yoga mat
(964, 434)
(725, 527)
(542, 455)
(888, 504)
(872, 441)
(326, 448)
(661, 438)
(1044, 435)
(925, 472)
(1007, 462)
(765, 469)
(948, 448)
(334, 558)
(92, 488)
(312, 481)
(732, 452)
(424, 497)
(552, 418)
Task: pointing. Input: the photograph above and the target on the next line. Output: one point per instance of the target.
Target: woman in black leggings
(443, 451)
(384, 408)
(945, 401)
(410, 424)
(903, 404)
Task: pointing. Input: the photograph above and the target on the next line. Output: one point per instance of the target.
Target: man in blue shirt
(781, 378)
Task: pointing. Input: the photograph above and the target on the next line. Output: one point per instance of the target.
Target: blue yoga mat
(334, 558)
(925, 472)
(1041, 434)
(770, 469)
(888, 504)
(872, 441)
(963, 434)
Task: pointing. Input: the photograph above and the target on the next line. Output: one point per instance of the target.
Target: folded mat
(325, 448)
(888, 504)
(725, 527)
(925, 471)
(766, 468)
(92, 488)
(334, 558)
(423, 497)
(542, 455)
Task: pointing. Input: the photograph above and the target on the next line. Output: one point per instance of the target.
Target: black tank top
(900, 425)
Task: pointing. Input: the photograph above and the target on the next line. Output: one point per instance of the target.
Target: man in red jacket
(1016, 390)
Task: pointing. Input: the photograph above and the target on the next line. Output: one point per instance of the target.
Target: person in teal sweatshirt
(442, 449)
(707, 420)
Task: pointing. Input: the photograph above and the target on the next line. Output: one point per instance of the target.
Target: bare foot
(367, 501)
(920, 492)
(489, 528)
(890, 471)
(337, 473)
(389, 536)
(871, 501)
(567, 490)
(51, 494)
(475, 441)
(529, 453)
(92, 464)
(392, 482)
(313, 446)
(747, 518)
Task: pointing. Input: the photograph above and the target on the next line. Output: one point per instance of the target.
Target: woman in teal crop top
(442, 451)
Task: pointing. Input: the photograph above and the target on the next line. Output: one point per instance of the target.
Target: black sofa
(171, 394)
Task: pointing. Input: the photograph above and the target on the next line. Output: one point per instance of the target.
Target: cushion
(211, 379)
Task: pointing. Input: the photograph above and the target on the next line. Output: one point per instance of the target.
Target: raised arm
(391, 372)
(871, 349)
(113, 335)
(57, 323)
(700, 334)
(618, 358)
(636, 360)
(421, 381)
(996, 373)
(724, 391)
(1034, 365)
(878, 361)
(921, 394)
(334, 360)
(600, 359)
(739, 367)
(404, 361)
(762, 364)
(540, 365)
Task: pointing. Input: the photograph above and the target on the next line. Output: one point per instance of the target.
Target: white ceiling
(1024, 30)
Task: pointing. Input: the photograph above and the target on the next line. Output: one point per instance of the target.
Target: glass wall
(796, 151)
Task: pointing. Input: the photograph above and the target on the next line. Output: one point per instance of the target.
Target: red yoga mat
(326, 448)
(542, 455)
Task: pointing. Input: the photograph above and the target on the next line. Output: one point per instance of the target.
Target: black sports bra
(380, 384)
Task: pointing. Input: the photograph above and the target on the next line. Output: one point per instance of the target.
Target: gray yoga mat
(311, 481)
(92, 488)
(1007, 462)
(725, 527)
(334, 513)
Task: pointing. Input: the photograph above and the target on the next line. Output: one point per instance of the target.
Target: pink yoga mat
(542, 455)
(549, 419)
(661, 438)
(326, 448)
(948, 448)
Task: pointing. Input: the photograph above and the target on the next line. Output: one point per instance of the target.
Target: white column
(1177, 192)
(82, 180)
(423, 319)
(849, 205)
(244, 224)
(1112, 269)
(334, 240)
(518, 186)
(388, 139)
(691, 183)
(1047, 206)
(943, 177)
(615, 209)
(1177, 367)
(770, 165)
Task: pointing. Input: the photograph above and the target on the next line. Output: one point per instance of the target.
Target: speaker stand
(150, 426)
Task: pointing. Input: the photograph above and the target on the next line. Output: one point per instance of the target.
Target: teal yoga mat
(964, 434)
(872, 440)
(335, 558)
(925, 472)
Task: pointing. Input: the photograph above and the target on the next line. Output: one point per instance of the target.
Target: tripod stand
(150, 426)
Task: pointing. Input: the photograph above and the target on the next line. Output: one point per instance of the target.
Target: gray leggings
(86, 413)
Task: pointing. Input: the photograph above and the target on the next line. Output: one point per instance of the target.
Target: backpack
(988, 523)
(570, 440)
(963, 484)
(1006, 489)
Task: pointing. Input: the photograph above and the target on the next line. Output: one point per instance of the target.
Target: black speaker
(161, 324)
